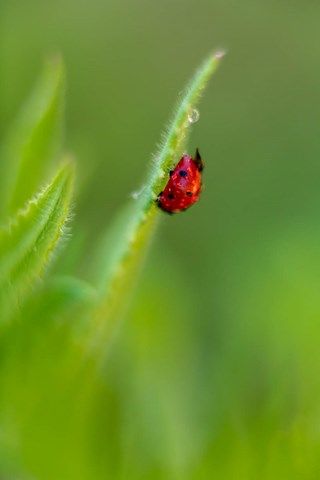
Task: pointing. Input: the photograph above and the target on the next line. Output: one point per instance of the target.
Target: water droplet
(193, 116)
(220, 53)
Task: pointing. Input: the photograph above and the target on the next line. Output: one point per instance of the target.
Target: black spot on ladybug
(170, 196)
(189, 194)
(183, 173)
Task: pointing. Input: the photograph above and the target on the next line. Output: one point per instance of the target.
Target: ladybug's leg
(198, 160)
(158, 200)
(170, 172)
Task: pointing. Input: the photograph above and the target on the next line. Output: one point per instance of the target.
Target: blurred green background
(215, 372)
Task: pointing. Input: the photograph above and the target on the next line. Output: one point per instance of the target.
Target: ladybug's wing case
(184, 185)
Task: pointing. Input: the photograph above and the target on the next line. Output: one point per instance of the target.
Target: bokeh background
(215, 373)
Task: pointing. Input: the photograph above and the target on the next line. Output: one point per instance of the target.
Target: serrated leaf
(133, 238)
(28, 242)
(33, 141)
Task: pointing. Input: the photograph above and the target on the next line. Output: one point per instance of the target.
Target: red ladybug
(184, 185)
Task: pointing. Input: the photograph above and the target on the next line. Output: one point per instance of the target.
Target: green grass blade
(31, 237)
(120, 258)
(136, 227)
(176, 136)
(33, 141)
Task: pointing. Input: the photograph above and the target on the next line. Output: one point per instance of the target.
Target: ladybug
(184, 185)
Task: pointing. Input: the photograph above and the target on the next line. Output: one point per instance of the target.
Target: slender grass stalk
(117, 279)
(175, 137)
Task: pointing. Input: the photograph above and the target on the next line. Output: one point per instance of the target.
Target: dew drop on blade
(220, 53)
(193, 116)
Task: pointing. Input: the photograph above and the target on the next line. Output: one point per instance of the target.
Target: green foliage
(57, 323)
(29, 240)
(33, 141)
(214, 370)
(122, 260)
